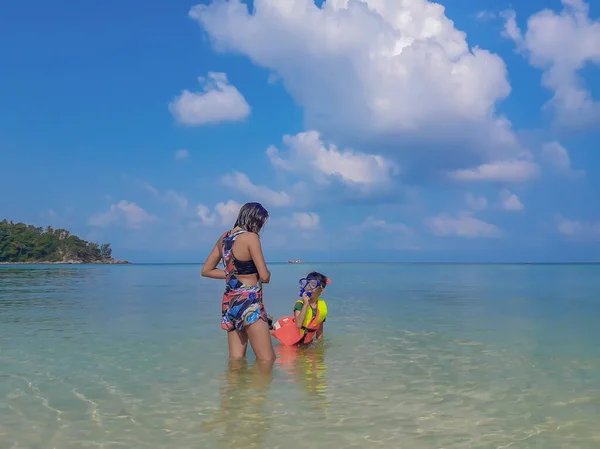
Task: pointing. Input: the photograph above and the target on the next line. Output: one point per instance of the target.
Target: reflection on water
(41, 295)
(32, 277)
(241, 419)
(245, 413)
(306, 366)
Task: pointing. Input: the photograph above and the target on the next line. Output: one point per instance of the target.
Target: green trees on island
(20, 242)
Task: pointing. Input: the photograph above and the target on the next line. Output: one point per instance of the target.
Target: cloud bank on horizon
(372, 126)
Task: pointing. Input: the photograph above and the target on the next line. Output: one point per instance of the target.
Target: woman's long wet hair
(252, 217)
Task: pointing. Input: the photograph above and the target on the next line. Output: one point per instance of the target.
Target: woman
(243, 314)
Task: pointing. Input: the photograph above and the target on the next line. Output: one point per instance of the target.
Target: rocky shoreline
(72, 262)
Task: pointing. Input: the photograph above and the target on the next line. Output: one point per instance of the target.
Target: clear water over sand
(415, 356)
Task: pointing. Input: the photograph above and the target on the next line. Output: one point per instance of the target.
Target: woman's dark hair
(252, 217)
(319, 277)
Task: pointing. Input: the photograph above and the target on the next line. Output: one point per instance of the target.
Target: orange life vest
(286, 331)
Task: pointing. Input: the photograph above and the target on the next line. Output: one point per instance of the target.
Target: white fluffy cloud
(218, 102)
(383, 225)
(305, 220)
(558, 156)
(499, 171)
(486, 15)
(398, 236)
(561, 45)
(510, 202)
(307, 154)
(386, 69)
(128, 213)
(462, 225)
(578, 230)
(182, 154)
(170, 197)
(476, 202)
(224, 213)
(270, 198)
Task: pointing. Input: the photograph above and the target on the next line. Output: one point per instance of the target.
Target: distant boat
(294, 260)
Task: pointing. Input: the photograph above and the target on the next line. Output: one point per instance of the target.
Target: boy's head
(316, 288)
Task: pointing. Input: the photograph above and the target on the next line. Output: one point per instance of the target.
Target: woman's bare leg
(238, 343)
(260, 340)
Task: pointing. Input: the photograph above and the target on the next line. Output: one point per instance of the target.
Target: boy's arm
(320, 331)
(300, 312)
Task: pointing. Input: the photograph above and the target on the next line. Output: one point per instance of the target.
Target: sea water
(414, 356)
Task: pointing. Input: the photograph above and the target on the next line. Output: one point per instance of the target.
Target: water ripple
(120, 357)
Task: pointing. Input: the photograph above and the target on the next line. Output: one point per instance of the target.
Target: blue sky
(372, 131)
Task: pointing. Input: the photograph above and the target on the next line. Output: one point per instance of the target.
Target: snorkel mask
(308, 285)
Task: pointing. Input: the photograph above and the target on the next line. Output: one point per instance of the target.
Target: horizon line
(391, 263)
(319, 263)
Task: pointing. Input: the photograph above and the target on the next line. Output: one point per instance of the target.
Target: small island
(26, 244)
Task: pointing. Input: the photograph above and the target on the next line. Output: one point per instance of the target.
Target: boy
(310, 312)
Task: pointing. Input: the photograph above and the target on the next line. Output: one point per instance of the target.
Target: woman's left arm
(209, 269)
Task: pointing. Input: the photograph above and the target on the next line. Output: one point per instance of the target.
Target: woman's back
(237, 256)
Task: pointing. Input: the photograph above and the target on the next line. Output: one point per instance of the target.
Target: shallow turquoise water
(415, 356)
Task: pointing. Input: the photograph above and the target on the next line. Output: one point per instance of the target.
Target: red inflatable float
(286, 331)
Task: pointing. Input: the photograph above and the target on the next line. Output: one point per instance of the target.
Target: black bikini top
(244, 266)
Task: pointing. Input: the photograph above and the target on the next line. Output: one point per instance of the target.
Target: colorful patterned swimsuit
(242, 304)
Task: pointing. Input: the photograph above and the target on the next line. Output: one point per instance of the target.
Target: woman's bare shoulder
(244, 236)
(248, 239)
